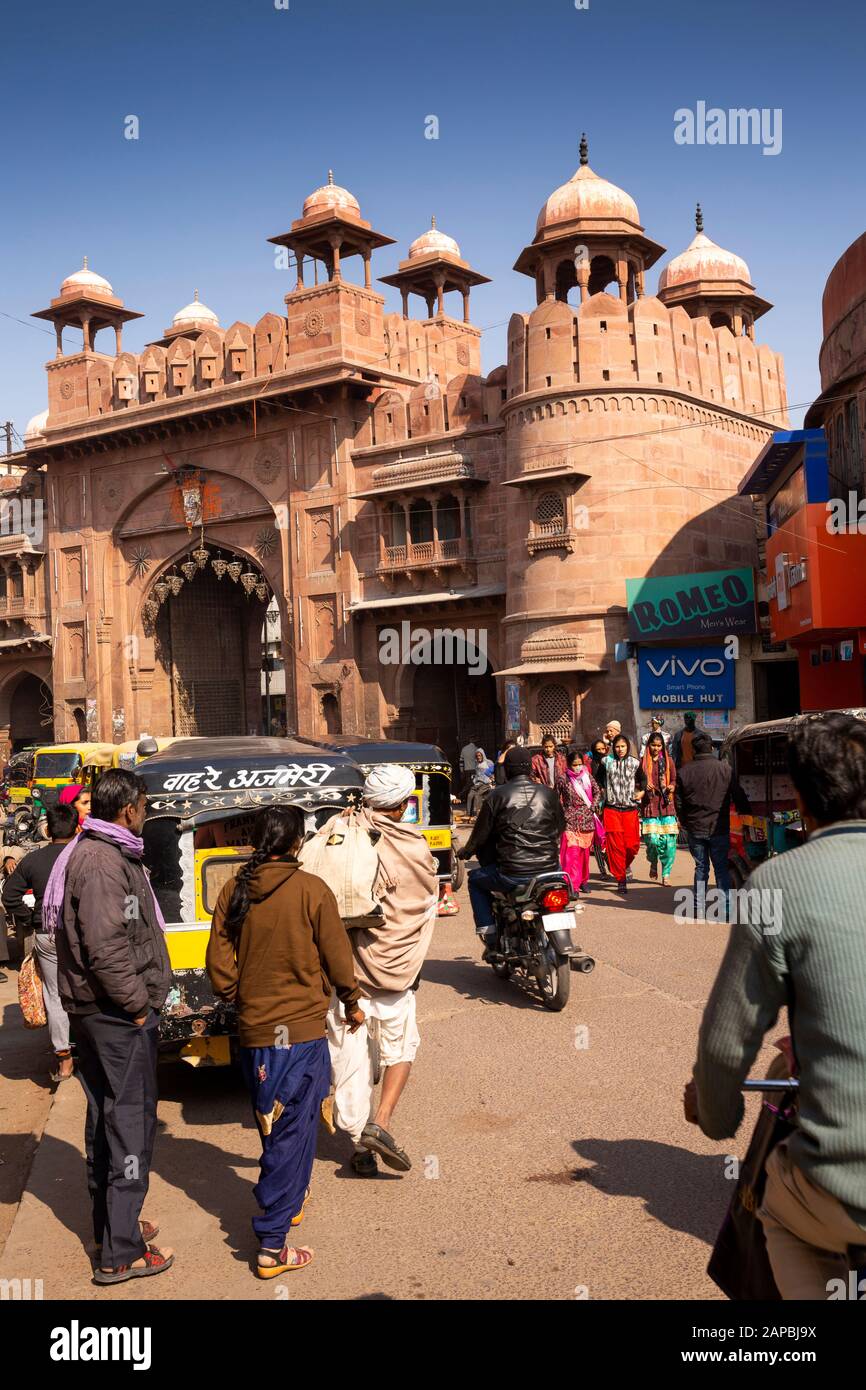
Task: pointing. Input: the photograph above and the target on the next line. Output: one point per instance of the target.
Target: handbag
(342, 854)
(739, 1264)
(31, 998)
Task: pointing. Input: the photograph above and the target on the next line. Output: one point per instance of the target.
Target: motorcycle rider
(515, 837)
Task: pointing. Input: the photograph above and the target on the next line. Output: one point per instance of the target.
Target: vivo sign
(686, 678)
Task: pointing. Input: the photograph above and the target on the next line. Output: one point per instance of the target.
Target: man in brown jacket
(113, 974)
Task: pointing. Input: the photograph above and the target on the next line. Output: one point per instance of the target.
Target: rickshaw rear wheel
(458, 874)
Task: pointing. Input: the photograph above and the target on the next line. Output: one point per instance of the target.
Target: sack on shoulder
(30, 996)
(342, 854)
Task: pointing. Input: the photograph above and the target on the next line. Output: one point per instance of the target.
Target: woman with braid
(277, 949)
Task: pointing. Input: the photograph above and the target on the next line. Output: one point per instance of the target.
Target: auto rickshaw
(429, 808)
(59, 765)
(134, 751)
(202, 796)
(19, 775)
(758, 754)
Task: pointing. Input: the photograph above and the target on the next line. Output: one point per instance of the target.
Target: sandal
(301, 1256)
(654, 871)
(380, 1142)
(364, 1164)
(155, 1262)
(296, 1220)
(149, 1232)
(59, 1075)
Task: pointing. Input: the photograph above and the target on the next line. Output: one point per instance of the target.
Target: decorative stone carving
(266, 466)
(314, 323)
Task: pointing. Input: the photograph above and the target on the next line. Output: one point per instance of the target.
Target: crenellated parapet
(604, 342)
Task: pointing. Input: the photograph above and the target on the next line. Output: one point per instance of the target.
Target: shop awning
(443, 596)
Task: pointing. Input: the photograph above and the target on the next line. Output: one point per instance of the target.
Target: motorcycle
(533, 925)
(23, 824)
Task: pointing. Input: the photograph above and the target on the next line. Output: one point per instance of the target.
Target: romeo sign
(686, 678)
(691, 605)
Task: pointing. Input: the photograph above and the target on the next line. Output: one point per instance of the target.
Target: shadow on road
(685, 1191)
(474, 980)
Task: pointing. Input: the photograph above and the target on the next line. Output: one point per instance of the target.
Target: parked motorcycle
(25, 823)
(533, 923)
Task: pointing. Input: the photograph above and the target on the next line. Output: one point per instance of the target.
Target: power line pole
(8, 428)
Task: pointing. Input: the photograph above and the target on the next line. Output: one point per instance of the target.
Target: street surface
(542, 1169)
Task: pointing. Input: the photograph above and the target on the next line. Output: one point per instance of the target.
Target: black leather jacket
(519, 829)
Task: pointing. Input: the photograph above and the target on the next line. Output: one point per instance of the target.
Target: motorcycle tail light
(555, 899)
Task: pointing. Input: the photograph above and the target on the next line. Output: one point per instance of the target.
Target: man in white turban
(389, 951)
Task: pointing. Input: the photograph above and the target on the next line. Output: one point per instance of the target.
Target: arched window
(550, 513)
(80, 724)
(16, 577)
(720, 320)
(448, 518)
(554, 713)
(602, 272)
(331, 717)
(421, 522)
(395, 525)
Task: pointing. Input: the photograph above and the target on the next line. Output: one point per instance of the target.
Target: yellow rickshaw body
(58, 765)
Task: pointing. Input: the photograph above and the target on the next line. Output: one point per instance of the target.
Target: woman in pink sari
(581, 797)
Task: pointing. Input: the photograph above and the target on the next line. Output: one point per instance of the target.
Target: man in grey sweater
(805, 947)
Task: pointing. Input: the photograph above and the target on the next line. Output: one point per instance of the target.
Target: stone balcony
(417, 558)
(550, 535)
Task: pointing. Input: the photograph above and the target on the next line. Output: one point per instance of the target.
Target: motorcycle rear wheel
(554, 988)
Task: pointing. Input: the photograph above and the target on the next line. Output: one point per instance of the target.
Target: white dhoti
(391, 1024)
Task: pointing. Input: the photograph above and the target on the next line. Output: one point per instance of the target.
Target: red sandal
(155, 1262)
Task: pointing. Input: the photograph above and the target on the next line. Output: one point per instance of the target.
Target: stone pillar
(465, 304)
(439, 282)
(639, 283)
(299, 257)
(85, 329)
(367, 281)
(404, 295)
(336, 242)
(118, 338)
(58, 329)
(622, 279)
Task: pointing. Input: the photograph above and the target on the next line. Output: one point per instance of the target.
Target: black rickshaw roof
(772, 727)
(216, 776)
(367, 752)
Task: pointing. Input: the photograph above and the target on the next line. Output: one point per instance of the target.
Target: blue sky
(244, 107)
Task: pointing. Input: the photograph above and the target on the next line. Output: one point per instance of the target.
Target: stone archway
(207, 632)
(27, 710)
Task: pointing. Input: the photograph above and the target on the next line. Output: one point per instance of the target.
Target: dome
(331, 197)
(36, 425)
(85, 279)
(587, 195)
(703, 260)
(195, 312)
(434, 243)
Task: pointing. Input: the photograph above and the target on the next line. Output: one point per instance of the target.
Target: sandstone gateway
(355, 470)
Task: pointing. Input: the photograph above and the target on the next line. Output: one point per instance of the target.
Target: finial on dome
(84, 267)
(330, 177)
(584, 149)
(195, 296)
(433, 223)
(699, 219)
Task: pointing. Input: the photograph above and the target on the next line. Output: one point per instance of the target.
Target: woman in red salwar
(626, 782)
(581, 797)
